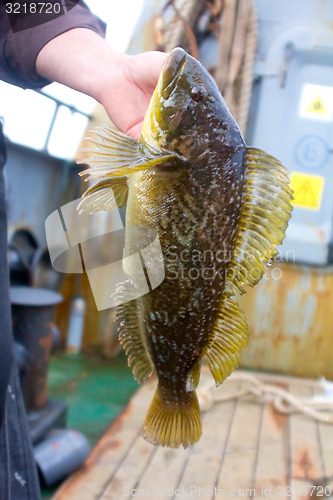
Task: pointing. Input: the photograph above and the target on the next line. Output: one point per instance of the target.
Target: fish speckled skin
(195, 213)
(194, 196)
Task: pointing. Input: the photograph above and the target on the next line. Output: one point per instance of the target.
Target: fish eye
(198, 93)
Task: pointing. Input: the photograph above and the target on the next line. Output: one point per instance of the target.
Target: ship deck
(247, 449)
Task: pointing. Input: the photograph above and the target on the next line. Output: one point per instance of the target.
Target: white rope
(283, 401)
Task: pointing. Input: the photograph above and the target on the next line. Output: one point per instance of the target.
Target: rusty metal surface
(32, 327)
(290, 318)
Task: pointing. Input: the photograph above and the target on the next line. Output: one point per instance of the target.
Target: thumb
(144, 69)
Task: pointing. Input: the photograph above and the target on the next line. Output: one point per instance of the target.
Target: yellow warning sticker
(317, 106)
(316, 102)
(308, 190)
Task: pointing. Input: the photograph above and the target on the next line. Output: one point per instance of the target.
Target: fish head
(187, 114)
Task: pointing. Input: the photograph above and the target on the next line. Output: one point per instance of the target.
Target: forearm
(82, 60)
(123, 84)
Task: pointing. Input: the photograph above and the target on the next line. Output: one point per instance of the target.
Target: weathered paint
(290, 318)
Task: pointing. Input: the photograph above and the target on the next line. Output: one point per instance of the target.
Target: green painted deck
(96, 391)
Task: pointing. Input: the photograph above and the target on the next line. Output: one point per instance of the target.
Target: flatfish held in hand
(219, 208)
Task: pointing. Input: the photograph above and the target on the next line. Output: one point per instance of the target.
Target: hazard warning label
(308, 190)
(316, 102)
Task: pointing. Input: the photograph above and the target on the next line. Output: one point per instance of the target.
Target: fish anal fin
(131, 333)
(228, 337)
(173, 425)
(105, 194)
(193, 377)
(265, 213)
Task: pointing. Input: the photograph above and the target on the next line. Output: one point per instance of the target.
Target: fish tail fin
(172, 424)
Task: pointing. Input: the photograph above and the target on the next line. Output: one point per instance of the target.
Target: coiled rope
(234, 23)
(283, 401)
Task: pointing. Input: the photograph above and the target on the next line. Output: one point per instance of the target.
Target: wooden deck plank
(237, 473)
(131, 467)
(209, 451)
(326, 446)
(306, 461)
(110, 450)
(178, 465)
(272, 467)
(244, 445)
(172, 463)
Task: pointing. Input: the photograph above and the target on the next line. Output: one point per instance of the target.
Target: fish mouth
(172, 69)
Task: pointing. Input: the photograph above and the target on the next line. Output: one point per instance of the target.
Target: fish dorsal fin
(116, 154)
(265, 212)
(105, 194)
(131, 333)
(228, 336)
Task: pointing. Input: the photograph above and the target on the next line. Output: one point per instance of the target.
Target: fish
(219, 208)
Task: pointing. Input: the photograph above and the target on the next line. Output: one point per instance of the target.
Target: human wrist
(80, 59)
(109, 80)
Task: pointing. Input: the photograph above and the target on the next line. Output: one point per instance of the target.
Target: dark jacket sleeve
(20, 43)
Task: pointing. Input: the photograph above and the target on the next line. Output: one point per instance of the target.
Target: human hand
(123, 84)
(128, 89)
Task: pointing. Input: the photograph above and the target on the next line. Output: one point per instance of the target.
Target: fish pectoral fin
(116, 154)
(173, 424)
(131, 332)
(265, 213)
(193, 377)
(228, 336)
(105, 194)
